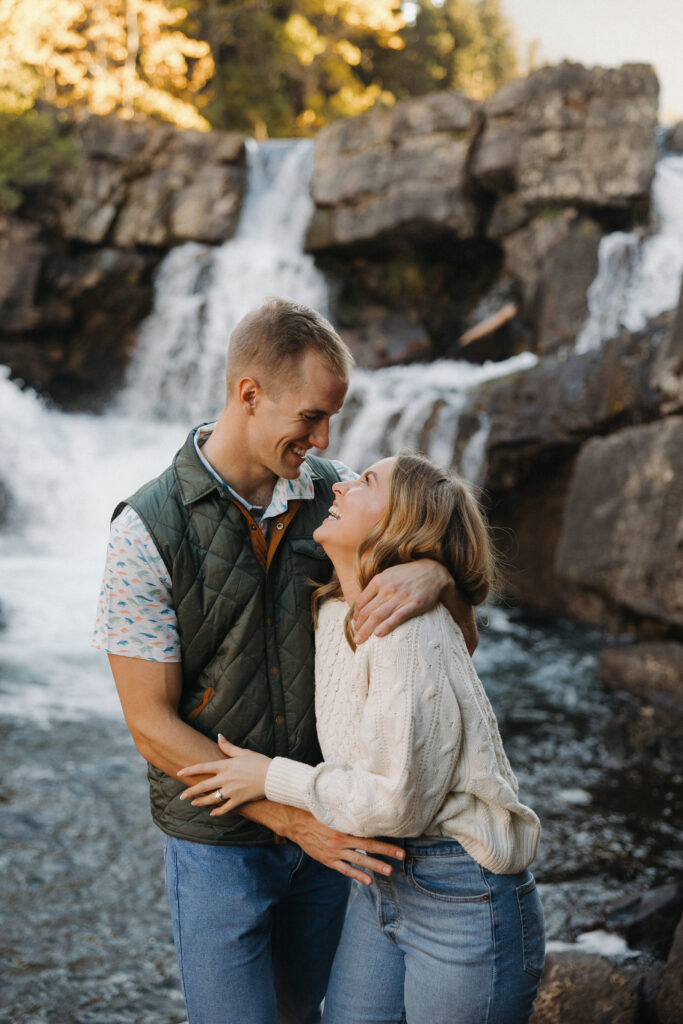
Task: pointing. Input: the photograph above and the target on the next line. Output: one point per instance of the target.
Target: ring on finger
(218, 796)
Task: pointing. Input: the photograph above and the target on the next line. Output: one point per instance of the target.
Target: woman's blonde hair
(430, 514)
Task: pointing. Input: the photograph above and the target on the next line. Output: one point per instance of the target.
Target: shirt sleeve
(409, 738)
(135, 613)
(344, 472)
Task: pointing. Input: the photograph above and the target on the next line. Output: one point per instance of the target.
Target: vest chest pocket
(310, 566)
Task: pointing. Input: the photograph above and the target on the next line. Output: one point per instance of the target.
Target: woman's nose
(339, 487)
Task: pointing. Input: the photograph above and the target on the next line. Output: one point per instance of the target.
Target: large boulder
(670, 996)
(148, 184)
(651, 671)
(586, 988)
(555, 258)
(622, 538)
(547, 411)
(667, 370)
(391, 172)
(21, 258)
(572, 135)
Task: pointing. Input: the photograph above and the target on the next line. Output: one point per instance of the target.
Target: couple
(205, 613)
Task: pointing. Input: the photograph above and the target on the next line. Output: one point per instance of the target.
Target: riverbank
(87, 931)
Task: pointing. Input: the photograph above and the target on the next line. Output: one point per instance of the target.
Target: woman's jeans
(255, 930)
(441, 941)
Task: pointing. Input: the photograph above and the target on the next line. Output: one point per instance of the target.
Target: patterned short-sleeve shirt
(135, 613)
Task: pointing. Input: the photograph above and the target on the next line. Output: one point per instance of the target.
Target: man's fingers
(382, 609)
(344, 868)
(365, 597)
(405, 612)
(382, 847)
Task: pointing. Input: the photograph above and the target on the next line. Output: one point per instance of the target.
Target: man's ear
(249, 391)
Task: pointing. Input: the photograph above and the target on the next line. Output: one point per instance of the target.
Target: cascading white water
(639, 277)
(418, 407)
(178, 371)
(65, 472)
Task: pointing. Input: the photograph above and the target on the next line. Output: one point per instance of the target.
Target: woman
(412, 751)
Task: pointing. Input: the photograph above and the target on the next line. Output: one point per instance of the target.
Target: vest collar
(194, 480)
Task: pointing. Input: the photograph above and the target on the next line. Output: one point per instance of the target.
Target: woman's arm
(409, 739)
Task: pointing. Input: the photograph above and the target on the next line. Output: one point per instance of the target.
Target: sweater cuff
(289, 782)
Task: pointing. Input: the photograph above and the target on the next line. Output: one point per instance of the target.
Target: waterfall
(639, 277)
(178, 371)
(416, 407)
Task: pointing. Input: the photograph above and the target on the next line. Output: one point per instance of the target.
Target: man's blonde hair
(269, 343)
(430, 514)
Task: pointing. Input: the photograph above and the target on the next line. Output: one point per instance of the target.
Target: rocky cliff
(76, 262)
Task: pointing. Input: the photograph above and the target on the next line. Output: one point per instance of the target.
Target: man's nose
(320, 435)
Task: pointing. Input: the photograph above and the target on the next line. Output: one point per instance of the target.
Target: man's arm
(404, 591)
(149, 692)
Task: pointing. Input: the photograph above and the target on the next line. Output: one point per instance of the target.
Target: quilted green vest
(246, 631)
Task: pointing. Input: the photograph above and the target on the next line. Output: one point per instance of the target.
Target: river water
(85, 930)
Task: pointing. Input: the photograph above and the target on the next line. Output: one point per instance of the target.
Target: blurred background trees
(274, 69)
(270, 69)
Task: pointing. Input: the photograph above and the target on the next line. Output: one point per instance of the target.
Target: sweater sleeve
(409, 736)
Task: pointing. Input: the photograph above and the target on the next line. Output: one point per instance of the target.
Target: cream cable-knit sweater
(411, 744)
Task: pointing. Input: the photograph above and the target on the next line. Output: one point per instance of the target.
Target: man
(205, 616)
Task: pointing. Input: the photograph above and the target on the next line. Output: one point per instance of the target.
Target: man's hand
(345, 854)
(404, 591)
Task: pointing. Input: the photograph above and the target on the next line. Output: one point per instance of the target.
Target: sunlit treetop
(104, 55)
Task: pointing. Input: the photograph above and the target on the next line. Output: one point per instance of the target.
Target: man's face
(298, 419)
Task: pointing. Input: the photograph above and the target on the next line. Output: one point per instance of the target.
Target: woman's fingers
(229, 748)
(207, 768)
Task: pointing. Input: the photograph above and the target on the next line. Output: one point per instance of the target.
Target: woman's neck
(346, 574)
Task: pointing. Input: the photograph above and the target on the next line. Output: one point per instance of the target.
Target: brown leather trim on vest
(208, 694)
(278, 528)
(258, 541)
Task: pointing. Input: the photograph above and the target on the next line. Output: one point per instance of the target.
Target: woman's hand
(238, 780)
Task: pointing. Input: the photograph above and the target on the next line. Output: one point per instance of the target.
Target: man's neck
(224, 450)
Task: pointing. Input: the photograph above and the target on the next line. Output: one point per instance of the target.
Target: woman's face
(358, 506)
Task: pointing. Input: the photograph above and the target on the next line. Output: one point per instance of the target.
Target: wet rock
(555, 258)
(546, 412)
(647, 921)
(388, 339)
(21, 258)
(586, 988)
(622, 534)
(674, 140)
(651, 671)
(572, 135)
(91, 304)
(667, 370)
(670, 995)
(391, 172)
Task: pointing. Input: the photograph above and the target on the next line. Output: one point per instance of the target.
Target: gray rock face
(667, 372)
(555, 258)
(392, 170)
(152, 185)
(552, 408)
(21, 257)
(674, 141)
(651, 671)
(622, 537)
(670, 995)
(571, 135)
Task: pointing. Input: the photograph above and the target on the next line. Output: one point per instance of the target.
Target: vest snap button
(279, 526)
(280, 720)
(273, 670)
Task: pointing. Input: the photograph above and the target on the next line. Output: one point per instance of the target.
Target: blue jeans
(255, 930)
(442, 941)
